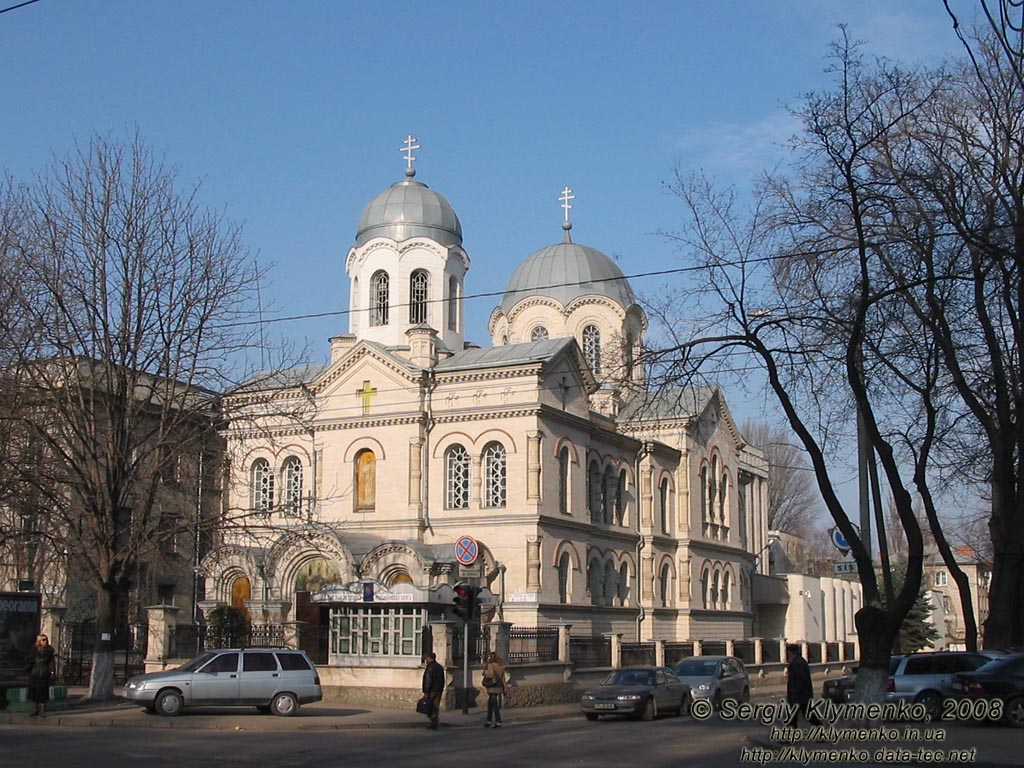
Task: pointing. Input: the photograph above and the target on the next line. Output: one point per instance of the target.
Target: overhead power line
(19, 5)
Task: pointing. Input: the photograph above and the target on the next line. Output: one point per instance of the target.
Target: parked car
(840, 689)
(927, 678)
(1002, 679)
(715, 678)
(642, 692)
(272, 680)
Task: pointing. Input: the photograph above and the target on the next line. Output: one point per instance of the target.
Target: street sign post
(843, 568)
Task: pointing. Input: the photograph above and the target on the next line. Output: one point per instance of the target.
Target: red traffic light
(462, 600)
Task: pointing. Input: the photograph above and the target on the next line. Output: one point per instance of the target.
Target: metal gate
(78, 642)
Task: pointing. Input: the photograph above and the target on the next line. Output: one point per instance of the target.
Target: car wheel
(169, 703)
(591, 716)
(684, 706)
(1013, 713)
(745, 696)
(263, 709)
(284, 705)
(932, 703)
(650, 709)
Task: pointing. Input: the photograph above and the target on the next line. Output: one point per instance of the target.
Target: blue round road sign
(839, 541)
(466, 550)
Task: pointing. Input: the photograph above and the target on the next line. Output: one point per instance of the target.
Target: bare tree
(130, 312)
(793, 500)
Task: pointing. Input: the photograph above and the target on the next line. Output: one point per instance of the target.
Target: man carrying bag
(433, 686)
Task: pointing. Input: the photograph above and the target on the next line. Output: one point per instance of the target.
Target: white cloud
(737, 148)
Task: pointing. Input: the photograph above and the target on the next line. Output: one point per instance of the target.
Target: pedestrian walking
(433, 686)
(494, 684)
(40, 674)
(799, 687)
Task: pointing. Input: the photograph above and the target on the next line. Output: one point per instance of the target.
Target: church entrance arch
(241, 594)
(313, 631)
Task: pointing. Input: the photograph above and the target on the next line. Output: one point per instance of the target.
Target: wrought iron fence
(676, 652)
(527, 644)
(78, 643)
(770, 653)
(712, 648)
(479, 646)
(744, 651)
(587, 652)
(832, 652)
(814, 653)
(638, 655)
(188, 640)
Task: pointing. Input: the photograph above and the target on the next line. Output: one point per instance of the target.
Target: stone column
(616, 638)
(533, 563)
(659, 653)
(782, 651)
(730, 647)
(563, 642)
(161, 619)
(533, 468)
(646, 497)
(474, 480)
(416, 477)
(697, 648)
(758, 651)
(498, 637)
(647, 584)
(441, 636)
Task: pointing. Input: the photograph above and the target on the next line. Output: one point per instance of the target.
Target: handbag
(423, 706)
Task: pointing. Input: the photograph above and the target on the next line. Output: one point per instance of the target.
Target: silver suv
(927, 678)
(272, 680)
(715, 678)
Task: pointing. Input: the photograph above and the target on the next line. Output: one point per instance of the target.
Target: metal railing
(587, 652)
(638, 655)
(529, 644)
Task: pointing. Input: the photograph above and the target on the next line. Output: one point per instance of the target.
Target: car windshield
(197, 662)
(630, 677)
(696, 668)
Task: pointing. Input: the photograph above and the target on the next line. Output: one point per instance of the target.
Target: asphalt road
(572, 742)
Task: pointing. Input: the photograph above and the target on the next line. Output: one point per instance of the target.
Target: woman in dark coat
(40, 674)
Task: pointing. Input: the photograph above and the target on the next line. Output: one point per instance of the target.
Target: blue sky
(293, 113)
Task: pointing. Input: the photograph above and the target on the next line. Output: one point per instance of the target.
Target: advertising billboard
(19, 625)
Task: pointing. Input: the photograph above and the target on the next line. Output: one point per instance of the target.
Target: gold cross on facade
(366, 393)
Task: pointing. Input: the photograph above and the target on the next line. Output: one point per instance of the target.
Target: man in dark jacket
(799, 688)
(433, 685)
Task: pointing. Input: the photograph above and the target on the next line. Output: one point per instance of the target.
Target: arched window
(540, 333)
(366, 481)
(665, 585)
(456, 470)
(504, 339)
(623, 583)
(608, 494)
(262, 484)
(716, 582)
(594, 490)
(418, 287)
(705, 588)
(563, 480)
(726, 589)
(453, 303)
(620, 499)
(292, 473)
(627, 355)
(594, 582)
(563, 578)
(663, 502)
(723, 503)
(495, 465)
(611, 587)
(592, 348)
(380, 287)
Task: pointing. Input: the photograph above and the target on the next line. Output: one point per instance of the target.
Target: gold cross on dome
(366, 393)
(567, 195)
(409, 145)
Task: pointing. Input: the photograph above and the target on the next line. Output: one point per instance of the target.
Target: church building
(539, 468)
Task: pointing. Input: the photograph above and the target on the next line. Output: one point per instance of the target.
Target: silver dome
(407, 209)
(567, 271)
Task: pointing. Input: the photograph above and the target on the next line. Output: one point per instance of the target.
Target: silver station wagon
(272, 680)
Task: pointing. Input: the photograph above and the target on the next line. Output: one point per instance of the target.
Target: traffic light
(463, 601)
(474, 604)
